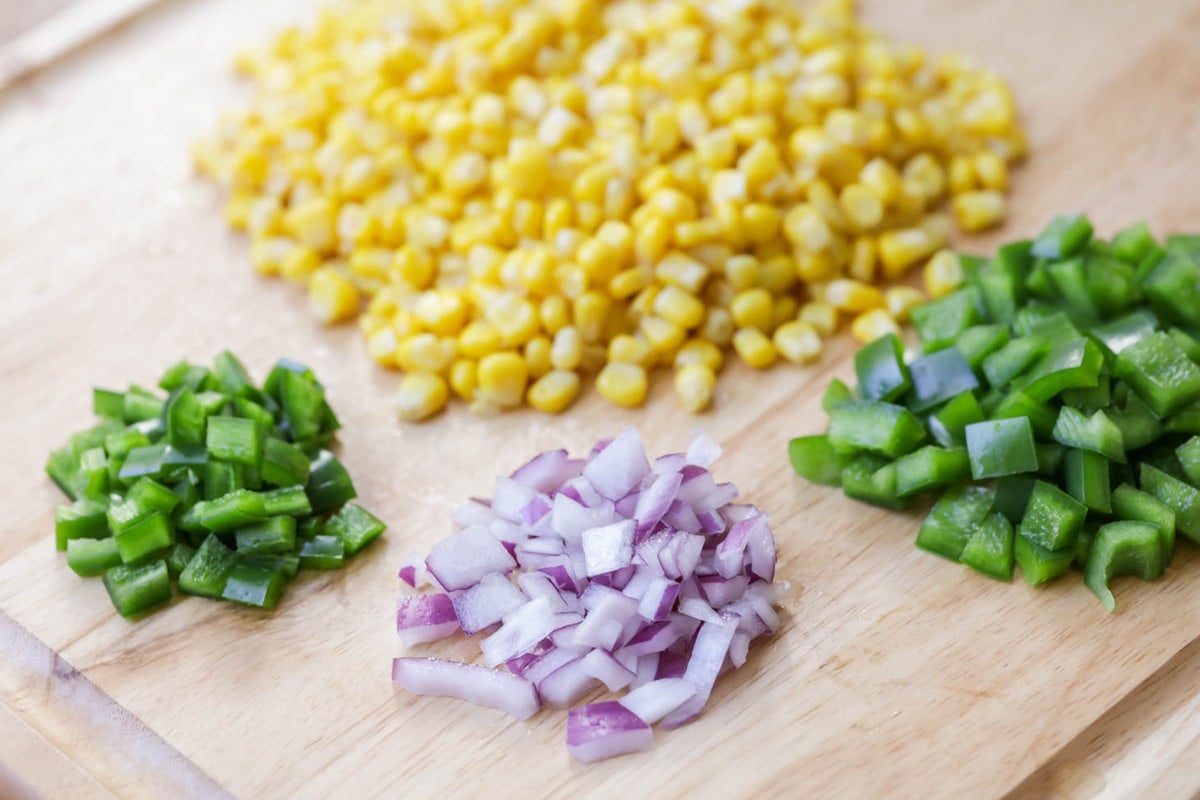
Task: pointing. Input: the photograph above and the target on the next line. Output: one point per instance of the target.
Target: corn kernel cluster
(512, 194)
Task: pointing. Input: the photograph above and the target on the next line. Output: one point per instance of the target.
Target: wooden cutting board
(895, 673)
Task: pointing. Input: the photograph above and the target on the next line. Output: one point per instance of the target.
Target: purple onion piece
(604, 730)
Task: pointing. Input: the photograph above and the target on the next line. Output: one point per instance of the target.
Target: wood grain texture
(895, 673)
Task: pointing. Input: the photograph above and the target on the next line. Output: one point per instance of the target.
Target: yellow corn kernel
(464, 377)
(899, 300)
(943, 273)
(992, 171)
(554, 391)
(515, 317)
(822, 316)
(851, 295)
(627, 349)
(678, 307)
(537, 356)
(478, 339)
(899, 249)
(599, 259)
(629, 282)
(590, 312)
(440, 311)
(797, 341)
(761, 222)
(862, 260)
(778, 274)
(681, 271)
(862, 206)
(697, 232)
(623, 384)
(806, 229)
(566, 351)
(977, 211)
(502, 379)
(267, 255)
(424, 352)
(694, 385)
(742, 272)
(751, 308)
(881, 177)
(760, 162)
(652, 239)
(870, 325)
(718, 326)
(559, 215)
(421, 395)
(300, 264)
(528, 166)
(753, 347)
(314, 224)
(331, 297)
(961, 175)
(663, 336)
(404, 324)
(415, 266)
(381, 344)
(699, 351)
(554, 313)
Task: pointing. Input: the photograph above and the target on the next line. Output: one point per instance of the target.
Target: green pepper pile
(222, 486)
(1054, 404)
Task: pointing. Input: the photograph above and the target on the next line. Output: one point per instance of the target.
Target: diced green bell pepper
(816, 460)
(1052, 517)
(134, 588)
(951, 522)
(1001, 447)
(990, 548)
(873, 425)
(1123, 548)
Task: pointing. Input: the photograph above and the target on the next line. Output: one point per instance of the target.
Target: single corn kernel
(862, 260)
(566, 351)
(381, 345)
(718, 326)
(797, 341)
(901, 248)
(862, 206)
(961, 175)
(331, 297)
(502, 379)
(464, 378)
(679, 270)
(537, 356)
(554, 391)
(992, 171)
(300, 264)
(623, 384)
(421, 395)
(424, 352)
(441, 312)
(629, 282)
(678, 307)
(663, 336)
(752, 308)
(753, 346)
(590, 314)
(415, 266)
(554, 313)
(314, 223)
(783, 310)
(761, 221)
(699, 351)
(822, 316)
(870, 325)
(943, 273)
(694, 385)
(850, 295)
(627, 349)
(742, 272)
(778, 274)
(899, 300)
(977, 211)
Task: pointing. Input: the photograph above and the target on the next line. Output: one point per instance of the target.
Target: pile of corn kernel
(512, 194)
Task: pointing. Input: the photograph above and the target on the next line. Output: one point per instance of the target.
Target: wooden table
(895, 673)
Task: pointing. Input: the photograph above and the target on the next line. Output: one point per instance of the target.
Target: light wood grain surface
(895, 673)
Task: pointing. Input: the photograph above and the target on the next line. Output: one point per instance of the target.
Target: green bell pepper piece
(816, 460)
(1013, 359)
(284, 464)
(1068, 364)
(1038, 564)
(868, 425)
(837, 392)
(1180, 497)
(235, 440)
(1096, 433)
(940, 322)
(1018, 404)
(1173, 288)
(880, 368)
(951, 522)
(329, 485)
(83, 519)
(1052, 517)
(1087, 479)
(254, 584)
(1123, 548)
(990, 548)
(322, 552)
(271, 536)
(980, 341)
(134, 588)
(1133, 243)
(290, 500)
(1066, 235)
(938, 377)
(1138, 506)
(931, 467)
(871, 479)
(1122, 333)
(1160, 373)
(207, 571)
(356, 526)
(948, 425)
(89, 557)
(148, 534)
(1001, 447)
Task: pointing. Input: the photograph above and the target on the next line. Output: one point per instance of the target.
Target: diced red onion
(702, 450)
(436, 677)
(604, 730)
(654, 700)
(608, 548)
(565, 685)
(425, 618)
(461, 560)
(521, 631)
(487, 602)
(649, 580)
(606, 669)
(618, 467)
